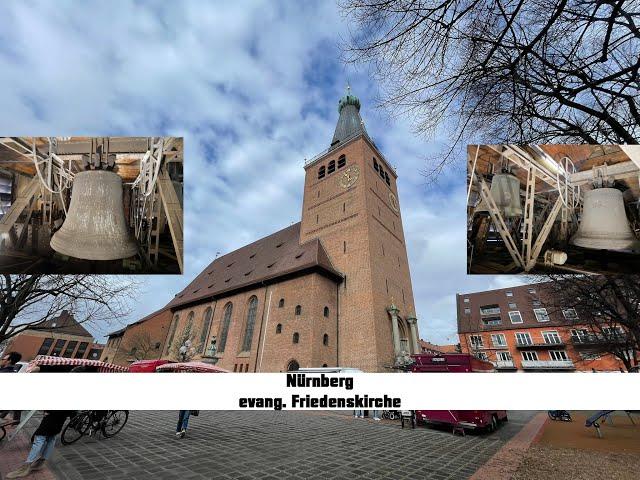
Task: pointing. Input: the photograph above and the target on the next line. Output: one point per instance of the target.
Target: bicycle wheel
(114, 422)
(75, 429)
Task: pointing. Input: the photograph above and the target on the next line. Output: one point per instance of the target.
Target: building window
(321, 172)
(509, 294)
(342, 161)
(498, 340)
(476, 341)
(467, 311)
(325, 340)
(381, 172)
(530, 356)
(612, 332)
(82, 348)
(513, 306)
(296, 337)
(536, 303)
(46, 345)
(298, 310)
(206, 323)
(570, 313)
(523, 338)
(465, 300)
(541, 314)
(279, 328)
(344, 247)
(71, 346)
(281, 303)
(174, 325)
(293, 366)
(224, 329)
(326, 311)
(490, 321)
(251, 321)
(375, 164)
(57, 348)
(481, 356)
(515, 317)
(558, 355)
(490, 310)
(94, 354)
(504, 356)
(386, 178)
(332, 167)
(532, 290)
(551, 337)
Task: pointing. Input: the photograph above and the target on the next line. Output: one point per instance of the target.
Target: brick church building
(331, 290)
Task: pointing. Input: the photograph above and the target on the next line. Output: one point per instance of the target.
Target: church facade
(331, 290)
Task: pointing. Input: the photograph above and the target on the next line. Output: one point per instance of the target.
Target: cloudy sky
(253, 87)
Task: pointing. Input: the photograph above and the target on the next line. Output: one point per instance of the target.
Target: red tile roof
(277, 255)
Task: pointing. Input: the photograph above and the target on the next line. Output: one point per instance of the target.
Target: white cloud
(253, 88)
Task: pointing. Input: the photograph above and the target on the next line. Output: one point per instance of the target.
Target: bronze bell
(604, 224)
(505, 190)
(95, 227)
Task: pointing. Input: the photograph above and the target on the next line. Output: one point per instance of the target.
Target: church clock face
(394, 202)
(349, 176)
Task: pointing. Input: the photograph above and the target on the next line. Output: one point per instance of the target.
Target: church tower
(351, 204)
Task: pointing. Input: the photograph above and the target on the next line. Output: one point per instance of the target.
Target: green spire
(348, 99)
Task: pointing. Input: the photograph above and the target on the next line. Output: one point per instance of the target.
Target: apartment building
(515, 329)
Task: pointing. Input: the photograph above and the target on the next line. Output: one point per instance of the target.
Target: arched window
(324, 365)
(321, 172)
(342, 161)
(279, 328)
(326, 311)
(325, 340)
(251, 321)
(281, 303)
(298, 309)
(293, 366)
(189, 326)
(224, 328)
(375, 164)
(296, 337)
(386, 178)
(206, 323)
(172, 331)
(332, 167)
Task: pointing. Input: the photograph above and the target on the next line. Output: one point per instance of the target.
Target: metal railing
(504, 364)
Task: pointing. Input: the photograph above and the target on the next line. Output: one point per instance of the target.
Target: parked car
(464, 419)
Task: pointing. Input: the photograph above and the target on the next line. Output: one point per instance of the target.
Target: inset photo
(100, 205)
(553, 209)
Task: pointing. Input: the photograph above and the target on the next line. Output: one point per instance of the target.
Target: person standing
(8, 364)
(183, 423)
(44, 440)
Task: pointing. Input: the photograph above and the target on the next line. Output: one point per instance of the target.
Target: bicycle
(89, 422)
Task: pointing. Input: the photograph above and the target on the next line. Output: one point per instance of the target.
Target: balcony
(548, 365)
(505, 365)
(592, 339)
(539, 345)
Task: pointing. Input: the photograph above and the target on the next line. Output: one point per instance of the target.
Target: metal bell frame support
(153, 196)
(527, 257)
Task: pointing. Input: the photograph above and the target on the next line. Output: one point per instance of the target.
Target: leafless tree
(27, 301)
(140, 346)
(608, 308)
(504, 71)
(187, 341)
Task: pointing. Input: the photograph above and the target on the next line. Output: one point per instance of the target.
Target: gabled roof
(277, 255)
(64, 323)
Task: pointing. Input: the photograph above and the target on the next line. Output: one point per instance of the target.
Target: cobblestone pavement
(278, 445)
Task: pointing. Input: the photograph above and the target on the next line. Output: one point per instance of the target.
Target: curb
(506, 461)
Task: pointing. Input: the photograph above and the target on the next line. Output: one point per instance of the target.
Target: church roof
(350, 122)
(63, 323)
(277, 255)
